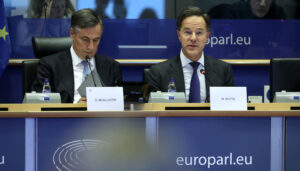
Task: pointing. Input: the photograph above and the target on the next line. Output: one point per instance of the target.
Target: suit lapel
(177, 73)
(68, 76)
(100, 66)
(209, 73)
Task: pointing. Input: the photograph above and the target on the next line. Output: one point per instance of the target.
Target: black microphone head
(87, 58)
(202, 71)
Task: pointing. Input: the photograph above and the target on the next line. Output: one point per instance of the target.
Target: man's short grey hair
(85, 18)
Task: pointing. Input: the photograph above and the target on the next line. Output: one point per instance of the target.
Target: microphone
(202, 71)
(87, 59)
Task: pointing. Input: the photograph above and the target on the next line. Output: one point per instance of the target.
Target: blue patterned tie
(86, 69)
(195, 85)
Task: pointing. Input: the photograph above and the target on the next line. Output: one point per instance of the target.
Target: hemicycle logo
(2, 161)
(74, 154)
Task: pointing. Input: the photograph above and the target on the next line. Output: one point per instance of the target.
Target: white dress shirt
(78, 72)
(188, 72)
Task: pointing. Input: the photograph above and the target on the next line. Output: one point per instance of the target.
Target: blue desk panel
(89, 143)
(164, 143)
(12, 144)
(227, 144)
(292, 144)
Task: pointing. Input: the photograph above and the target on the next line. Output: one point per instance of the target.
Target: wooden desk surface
(149, 62)
(147, 110)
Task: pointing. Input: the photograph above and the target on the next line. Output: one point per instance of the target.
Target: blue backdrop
(157, 39)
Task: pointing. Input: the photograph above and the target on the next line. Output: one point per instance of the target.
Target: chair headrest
(44, 46)
(146, 75)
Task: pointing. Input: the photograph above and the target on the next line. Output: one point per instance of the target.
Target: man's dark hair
(85, 18)
(192, 11)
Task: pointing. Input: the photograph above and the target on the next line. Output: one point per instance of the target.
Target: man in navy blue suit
(193, 30)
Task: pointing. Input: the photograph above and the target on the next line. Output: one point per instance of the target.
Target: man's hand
(82, 100)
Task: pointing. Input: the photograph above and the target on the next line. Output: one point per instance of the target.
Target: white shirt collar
(77, 60)
(186, 61)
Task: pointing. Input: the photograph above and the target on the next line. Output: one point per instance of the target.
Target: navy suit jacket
(217, 73)
(59, 69)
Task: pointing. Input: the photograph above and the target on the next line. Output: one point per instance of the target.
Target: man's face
(58, 9)
(86, 41)
(260, 7)
(193, 36)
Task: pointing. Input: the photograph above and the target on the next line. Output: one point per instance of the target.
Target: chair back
(145, 90)
(284, 75)
(44, 46)
(29, 74)
(146, 75)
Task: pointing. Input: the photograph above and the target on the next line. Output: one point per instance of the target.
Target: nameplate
(105, 99)
(228, 98)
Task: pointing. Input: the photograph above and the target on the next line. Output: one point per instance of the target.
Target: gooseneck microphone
(87, 59)
(202, 71)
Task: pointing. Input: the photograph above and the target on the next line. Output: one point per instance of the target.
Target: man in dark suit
(193, 30)
(65, 70)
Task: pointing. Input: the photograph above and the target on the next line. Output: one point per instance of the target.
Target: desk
(149, 62)
(181, 139)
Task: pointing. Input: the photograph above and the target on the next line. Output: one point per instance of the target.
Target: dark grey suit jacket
(59, 69)
(217, 73)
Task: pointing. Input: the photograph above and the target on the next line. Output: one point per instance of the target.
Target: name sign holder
(105, 99)
(228, 98)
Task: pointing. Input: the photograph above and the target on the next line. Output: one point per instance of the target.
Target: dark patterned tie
(86, 70)
(195, 85)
